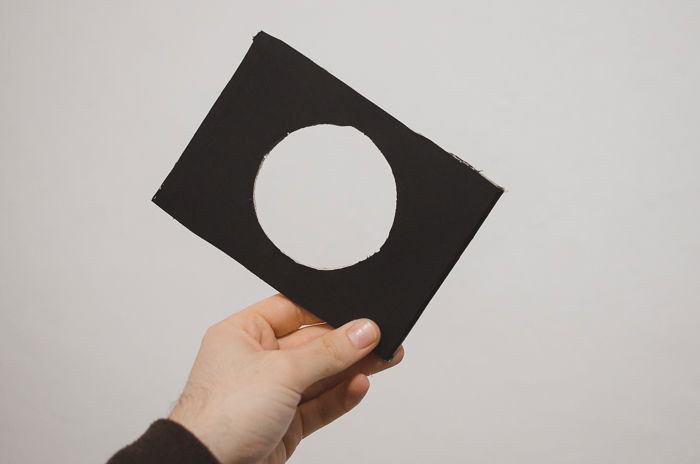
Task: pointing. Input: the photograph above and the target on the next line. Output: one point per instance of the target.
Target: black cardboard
(441, 200)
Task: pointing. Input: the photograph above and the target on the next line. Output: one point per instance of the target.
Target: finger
(303, 336)
(278, 455)
(280, 313)
(332, 404)
(370, 364)
(331, 353)
(294, 434)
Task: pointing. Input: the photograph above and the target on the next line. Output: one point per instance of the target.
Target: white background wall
(567, 333)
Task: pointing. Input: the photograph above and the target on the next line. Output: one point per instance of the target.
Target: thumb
(333, 352)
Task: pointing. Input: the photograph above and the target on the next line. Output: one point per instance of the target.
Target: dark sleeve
(165, 441)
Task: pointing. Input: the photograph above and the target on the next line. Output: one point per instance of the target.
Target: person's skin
(261, 382)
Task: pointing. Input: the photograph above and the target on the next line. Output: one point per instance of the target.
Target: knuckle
(218, 329)
(333, 351)
(281, 300)
(211, 332)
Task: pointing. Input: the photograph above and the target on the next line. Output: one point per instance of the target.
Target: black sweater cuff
(165, 441)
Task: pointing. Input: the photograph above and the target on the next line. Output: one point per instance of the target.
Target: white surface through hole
(326, 196)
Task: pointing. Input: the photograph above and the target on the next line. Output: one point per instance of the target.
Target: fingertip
(398, 356)
(363, 333)
(358, 386)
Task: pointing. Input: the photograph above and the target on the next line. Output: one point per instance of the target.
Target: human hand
(261, 383)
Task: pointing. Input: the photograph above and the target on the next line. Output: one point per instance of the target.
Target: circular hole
(326, 196)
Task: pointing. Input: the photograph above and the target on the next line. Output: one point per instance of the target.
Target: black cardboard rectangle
(441, 200)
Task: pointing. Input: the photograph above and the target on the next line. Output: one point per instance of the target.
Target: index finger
(281, 314)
